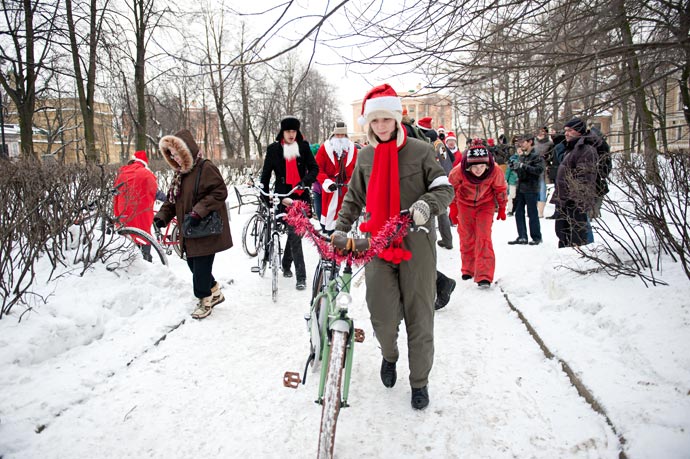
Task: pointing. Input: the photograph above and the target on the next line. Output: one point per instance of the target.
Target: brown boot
(216, 294)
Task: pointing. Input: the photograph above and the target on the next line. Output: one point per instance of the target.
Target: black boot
(420, 398)
(388, 373)
(444, 287)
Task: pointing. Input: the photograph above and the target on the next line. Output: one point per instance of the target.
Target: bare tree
(26, 40)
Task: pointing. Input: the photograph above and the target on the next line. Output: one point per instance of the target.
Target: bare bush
(39, 224)
(650, 219)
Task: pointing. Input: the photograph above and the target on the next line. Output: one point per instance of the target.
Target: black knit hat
(578, 125)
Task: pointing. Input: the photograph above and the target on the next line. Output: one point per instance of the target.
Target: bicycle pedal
(291, 379)
(359, 335)
(256, 269)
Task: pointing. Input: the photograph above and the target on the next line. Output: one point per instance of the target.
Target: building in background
(418, 105)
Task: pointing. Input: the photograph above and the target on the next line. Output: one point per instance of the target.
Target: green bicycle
(332, 332)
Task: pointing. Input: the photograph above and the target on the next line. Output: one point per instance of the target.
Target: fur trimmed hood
(184, 145)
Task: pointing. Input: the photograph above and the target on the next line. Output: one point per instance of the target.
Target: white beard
(291, 150)
(340, 145)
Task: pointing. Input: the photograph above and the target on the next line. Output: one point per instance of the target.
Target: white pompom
(362, 120)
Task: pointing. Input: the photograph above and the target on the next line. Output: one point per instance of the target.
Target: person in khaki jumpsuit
(399, 289)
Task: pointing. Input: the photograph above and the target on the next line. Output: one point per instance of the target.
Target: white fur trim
(361, 120)
(291, 150)
(141, 161)
(326, 183)
(385, 103)
(439, 181)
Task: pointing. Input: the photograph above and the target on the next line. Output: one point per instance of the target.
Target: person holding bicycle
(336, 159)
(394, 173)
(197, 189)
(133, 203)
(292, 162)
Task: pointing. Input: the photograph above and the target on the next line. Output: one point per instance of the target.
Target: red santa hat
(425, 123)
(141, 157)
(382, 102)
(441, 129)
(451, 136)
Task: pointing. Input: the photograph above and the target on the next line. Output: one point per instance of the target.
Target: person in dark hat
(182, 154)
(290, 159)
(575, 186)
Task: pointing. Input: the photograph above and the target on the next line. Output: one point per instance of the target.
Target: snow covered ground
(83, 377)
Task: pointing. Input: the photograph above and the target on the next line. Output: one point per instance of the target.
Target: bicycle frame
(337, 319)
(270, 240)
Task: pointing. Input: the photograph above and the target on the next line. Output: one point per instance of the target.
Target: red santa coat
(134, 201)
(331, 170)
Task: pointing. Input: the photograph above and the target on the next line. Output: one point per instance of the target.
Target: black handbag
(210, 225)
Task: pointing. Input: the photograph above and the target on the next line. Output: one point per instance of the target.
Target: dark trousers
(528, 200)
(444, 229)
(571, 226)
(293, 253)
(202, 278)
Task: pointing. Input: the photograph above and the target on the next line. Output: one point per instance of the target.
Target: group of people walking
(403, 166)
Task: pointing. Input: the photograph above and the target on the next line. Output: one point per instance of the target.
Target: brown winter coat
(211, 194)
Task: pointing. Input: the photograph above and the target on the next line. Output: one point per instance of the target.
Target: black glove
(158, 222)
(332, 187)
(195, 218)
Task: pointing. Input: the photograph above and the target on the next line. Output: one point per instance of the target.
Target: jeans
(530, 201)
(202, 278)
(293, 253)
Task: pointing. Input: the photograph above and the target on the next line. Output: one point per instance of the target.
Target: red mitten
(501, 214)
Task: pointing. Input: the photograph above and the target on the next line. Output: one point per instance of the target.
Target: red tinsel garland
(387, 243)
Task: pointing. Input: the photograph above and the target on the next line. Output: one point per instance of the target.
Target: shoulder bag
(210, 225)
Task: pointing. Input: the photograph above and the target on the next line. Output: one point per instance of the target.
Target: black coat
(531, 168)
(577, 174)
(275, 163)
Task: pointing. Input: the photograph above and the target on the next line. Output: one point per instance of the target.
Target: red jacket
(330, 169)
(470, 194)
(134, 200)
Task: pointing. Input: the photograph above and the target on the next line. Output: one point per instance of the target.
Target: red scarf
(383, 196)
(292, 177)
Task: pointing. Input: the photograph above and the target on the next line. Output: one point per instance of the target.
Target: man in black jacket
(292, 162)
(575, 185)
(529, 168)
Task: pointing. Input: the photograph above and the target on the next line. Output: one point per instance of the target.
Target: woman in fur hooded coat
(182, 154)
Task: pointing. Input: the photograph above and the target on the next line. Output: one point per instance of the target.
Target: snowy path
(213, 388)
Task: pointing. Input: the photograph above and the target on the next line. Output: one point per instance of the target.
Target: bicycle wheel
(318, 280)
(251, 235)
(331, 394)
(275, 263)
(318, 315)
(176, 242)
(142, 238)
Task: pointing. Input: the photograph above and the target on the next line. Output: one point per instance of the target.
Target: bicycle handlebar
(273, 194)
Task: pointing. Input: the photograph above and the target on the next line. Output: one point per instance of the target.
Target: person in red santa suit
(136, 192)
(336, 159)
(393, 173)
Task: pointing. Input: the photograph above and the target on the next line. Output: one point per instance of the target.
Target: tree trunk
(140, 75)
(639, 95)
